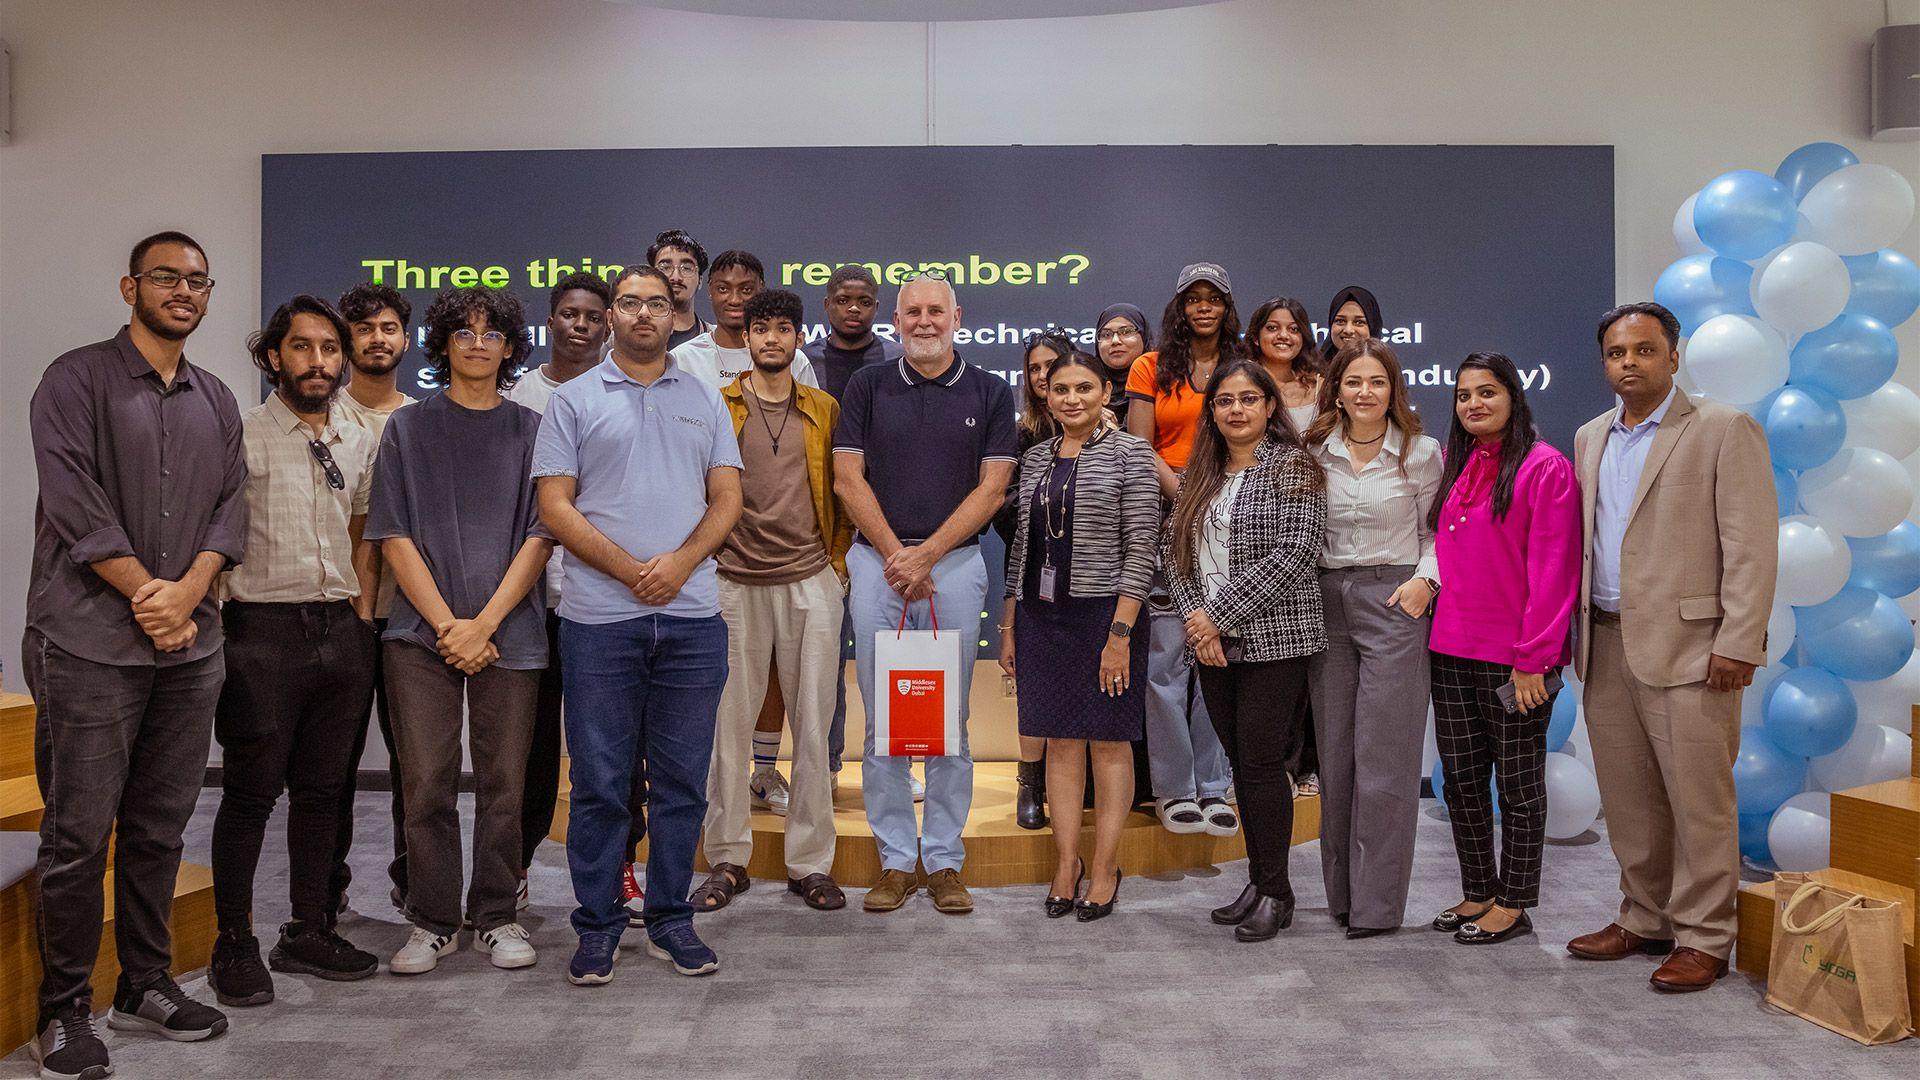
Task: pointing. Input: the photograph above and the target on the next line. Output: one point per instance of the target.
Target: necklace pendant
(776, 445)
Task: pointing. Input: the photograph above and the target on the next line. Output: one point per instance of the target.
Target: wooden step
(1876, 829)
(20, 803)
(16, 736)
(1756, 905)
(193, 934)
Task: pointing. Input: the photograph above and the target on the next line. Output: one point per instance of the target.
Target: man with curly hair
(684, 262)
(720, 355)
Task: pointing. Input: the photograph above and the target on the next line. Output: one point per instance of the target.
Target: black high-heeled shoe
(1088, 911)
(1269, 916)
(1232, 914)
(1059, 906)
(1471, 934)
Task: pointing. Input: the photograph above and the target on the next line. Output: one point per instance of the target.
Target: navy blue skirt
(1056, 651)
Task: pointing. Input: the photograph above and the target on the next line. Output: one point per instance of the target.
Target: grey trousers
(1184, 754)
(1370, 689)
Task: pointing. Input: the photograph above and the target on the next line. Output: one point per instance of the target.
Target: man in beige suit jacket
(1675, 588)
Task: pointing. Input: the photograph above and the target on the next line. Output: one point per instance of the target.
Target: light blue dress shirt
(1621, 464)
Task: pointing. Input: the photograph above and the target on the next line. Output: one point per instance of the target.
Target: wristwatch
(1120, 629)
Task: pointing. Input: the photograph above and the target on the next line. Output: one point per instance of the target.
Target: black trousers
(376, 693)
(291, 713)
(1478, 736)
(542, 784)
(1255, 707)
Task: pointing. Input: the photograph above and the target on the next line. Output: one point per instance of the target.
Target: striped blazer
(1116, 516)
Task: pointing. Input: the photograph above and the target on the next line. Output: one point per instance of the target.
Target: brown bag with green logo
(1838, 960)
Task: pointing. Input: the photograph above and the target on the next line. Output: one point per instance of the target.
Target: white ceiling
(918, 10)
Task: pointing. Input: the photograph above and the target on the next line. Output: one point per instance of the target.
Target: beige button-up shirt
(1377, 516)
(299, 542)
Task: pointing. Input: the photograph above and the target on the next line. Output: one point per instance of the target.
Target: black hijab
(1367, 304)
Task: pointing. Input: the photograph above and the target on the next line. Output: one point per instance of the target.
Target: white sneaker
(770, 791)
(422, 952)
(520, 901)
(508, 945)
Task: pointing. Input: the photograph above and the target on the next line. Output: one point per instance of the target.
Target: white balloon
(1737, 358)
(1684, 377)
(1799, 834)
(1861, 492)
(1802, 287)
(1780, 629)
(1573, 797)
(1804, 230)
(1814, 561)
(1684, 235)
(1860, 209)
(1580, 744)
(1888, 420)
(1890, 701)
(1874, 754)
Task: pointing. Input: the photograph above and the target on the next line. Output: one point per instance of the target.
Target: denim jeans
(640, 691)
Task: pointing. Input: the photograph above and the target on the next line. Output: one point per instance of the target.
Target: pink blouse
(1509, 586)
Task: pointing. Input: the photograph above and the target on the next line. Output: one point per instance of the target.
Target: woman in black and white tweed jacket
(1240, 554)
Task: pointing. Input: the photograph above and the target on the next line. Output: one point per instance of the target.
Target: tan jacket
(819, 412)
(1702, 543)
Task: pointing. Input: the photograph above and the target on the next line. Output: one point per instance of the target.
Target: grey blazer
(1116, 516)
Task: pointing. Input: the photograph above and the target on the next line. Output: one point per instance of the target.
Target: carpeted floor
(1155, 991)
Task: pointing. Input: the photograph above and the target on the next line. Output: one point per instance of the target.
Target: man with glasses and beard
(300, 644)
(138, 455)
(683, 261)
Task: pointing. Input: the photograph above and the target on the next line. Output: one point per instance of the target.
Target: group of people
(670, 527)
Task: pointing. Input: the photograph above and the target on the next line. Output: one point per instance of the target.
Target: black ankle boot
(1269, 916)
(1030, 809)
(1235, 913)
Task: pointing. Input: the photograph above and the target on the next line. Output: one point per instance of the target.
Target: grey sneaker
(164, 1009)
(68, 1048)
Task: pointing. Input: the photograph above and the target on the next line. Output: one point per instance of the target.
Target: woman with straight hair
(1239, 556)
(1378, 577)
(1507, 536)
(1280, 336)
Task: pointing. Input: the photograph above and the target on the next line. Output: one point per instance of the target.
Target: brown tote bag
(1838, 960)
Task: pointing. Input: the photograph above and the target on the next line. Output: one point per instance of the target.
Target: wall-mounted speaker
(1895, 111)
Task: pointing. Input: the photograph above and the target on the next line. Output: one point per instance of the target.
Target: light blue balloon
(1744, 214)
(1890, 564)
(1810, 164)
(1699, 287)
(1764, 776)
(1809, 712)
(1566, 711)
(1850, 357)
(1860, 634)
(1786, 491)
(1886, 285)
(1438, 780)
(1804, 426)
(1753, 836)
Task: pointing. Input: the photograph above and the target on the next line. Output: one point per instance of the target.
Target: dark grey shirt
(129, 466)
(459, 484)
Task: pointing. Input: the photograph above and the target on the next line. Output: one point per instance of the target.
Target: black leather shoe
(1088, 911)
(1341, 919)
(1059, 906)
(1233, 913)
(1448, 921)
(1269, 916)
(1471, 934)
(1355, 933)
(1030, 805)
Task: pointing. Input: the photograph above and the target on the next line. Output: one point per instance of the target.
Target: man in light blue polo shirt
(639, 477)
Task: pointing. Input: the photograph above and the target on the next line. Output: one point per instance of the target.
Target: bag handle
(1825, 921)
(931, 610)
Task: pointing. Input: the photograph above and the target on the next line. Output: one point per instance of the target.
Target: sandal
(819, 891)
(722, 885)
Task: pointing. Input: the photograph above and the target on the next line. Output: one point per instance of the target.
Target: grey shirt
(457, 482)
(129, 465)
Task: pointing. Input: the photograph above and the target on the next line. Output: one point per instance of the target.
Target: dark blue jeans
(642, 690)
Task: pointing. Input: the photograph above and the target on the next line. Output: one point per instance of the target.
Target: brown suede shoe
(892, 891)
(1688, 970)
(1617, 943)
(949, 896)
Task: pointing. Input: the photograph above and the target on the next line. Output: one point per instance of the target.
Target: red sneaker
(633, 898)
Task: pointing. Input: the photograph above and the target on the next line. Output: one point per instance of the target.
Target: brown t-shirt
(778, 539)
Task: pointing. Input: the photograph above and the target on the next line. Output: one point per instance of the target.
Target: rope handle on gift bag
(931, 609)
(1826, 920)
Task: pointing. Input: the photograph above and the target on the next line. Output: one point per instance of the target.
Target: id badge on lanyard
(1048, 576)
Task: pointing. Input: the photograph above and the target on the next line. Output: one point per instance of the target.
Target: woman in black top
(1120, 335)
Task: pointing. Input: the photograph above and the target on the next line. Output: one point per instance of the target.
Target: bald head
(926, 313)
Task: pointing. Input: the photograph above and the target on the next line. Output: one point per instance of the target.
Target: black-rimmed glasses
(167, 279)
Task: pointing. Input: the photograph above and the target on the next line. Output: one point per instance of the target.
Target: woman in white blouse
(1378, 577)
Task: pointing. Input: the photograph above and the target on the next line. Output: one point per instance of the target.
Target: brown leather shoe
(949, 896)
(1617, 943)
(1688, 970)
(892, 891)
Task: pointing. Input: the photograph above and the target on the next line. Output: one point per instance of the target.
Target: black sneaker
(68, 1048)
(311, 949)
(236, 974)
(164, 1009)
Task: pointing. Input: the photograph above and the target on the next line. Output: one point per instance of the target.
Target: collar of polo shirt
(913, 378)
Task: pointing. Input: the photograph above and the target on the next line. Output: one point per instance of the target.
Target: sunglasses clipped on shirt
(335, 479)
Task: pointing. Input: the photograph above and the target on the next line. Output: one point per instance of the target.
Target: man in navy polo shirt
(922, 456)
(639, 477)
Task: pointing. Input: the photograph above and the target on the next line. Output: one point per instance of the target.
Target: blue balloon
(1439, 781)
(1810, 164)
(1850, 357)
(1786, 491)
(1860, 634)
(1744, 214)
(1804, 426)
(1566, 710)
(1886, 285)
(1699, 287)
(1809, 712)
(1764, 776)
(1890, 564)
(1753, 837)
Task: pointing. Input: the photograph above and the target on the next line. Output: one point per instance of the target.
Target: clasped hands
(1204, 635)
(909, 571)
(467, 644)
(164, 612)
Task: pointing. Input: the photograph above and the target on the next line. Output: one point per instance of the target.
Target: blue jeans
(1184, 754)
(644, 689)
(960, 593)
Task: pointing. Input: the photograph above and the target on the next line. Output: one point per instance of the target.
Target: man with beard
(781, 573)
(300, 644)
(138, 455)
(684, 262)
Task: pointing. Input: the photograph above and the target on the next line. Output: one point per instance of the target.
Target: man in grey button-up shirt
(141, 470)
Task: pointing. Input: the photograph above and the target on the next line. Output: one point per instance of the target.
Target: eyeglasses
(933, 272)
(1248, 400)
(321, 454)
(674, 270)
(655, 306)
(1126, 334)
(167, 279)
(466, 339)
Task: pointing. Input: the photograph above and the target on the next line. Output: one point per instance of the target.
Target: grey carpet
(1154, 991)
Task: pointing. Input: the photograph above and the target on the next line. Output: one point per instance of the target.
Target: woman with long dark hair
(1120, 336)
(1199, 333)
(1239, 556)
(1280, 337)
(1507, 536)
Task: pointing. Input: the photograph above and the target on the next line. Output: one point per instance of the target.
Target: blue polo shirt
(640, 455)
(925, 438)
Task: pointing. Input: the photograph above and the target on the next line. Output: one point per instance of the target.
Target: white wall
(134, 116)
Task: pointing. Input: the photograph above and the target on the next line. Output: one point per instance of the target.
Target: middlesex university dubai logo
(917, 713)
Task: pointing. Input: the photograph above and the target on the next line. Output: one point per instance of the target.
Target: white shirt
(718, 367)
(1376, 515)
(534, 389)
(1216, 529)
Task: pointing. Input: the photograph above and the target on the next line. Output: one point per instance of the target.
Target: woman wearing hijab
(1352, 318)
(1120, 335)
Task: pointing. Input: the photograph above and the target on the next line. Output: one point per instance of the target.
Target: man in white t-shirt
(718, 356)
